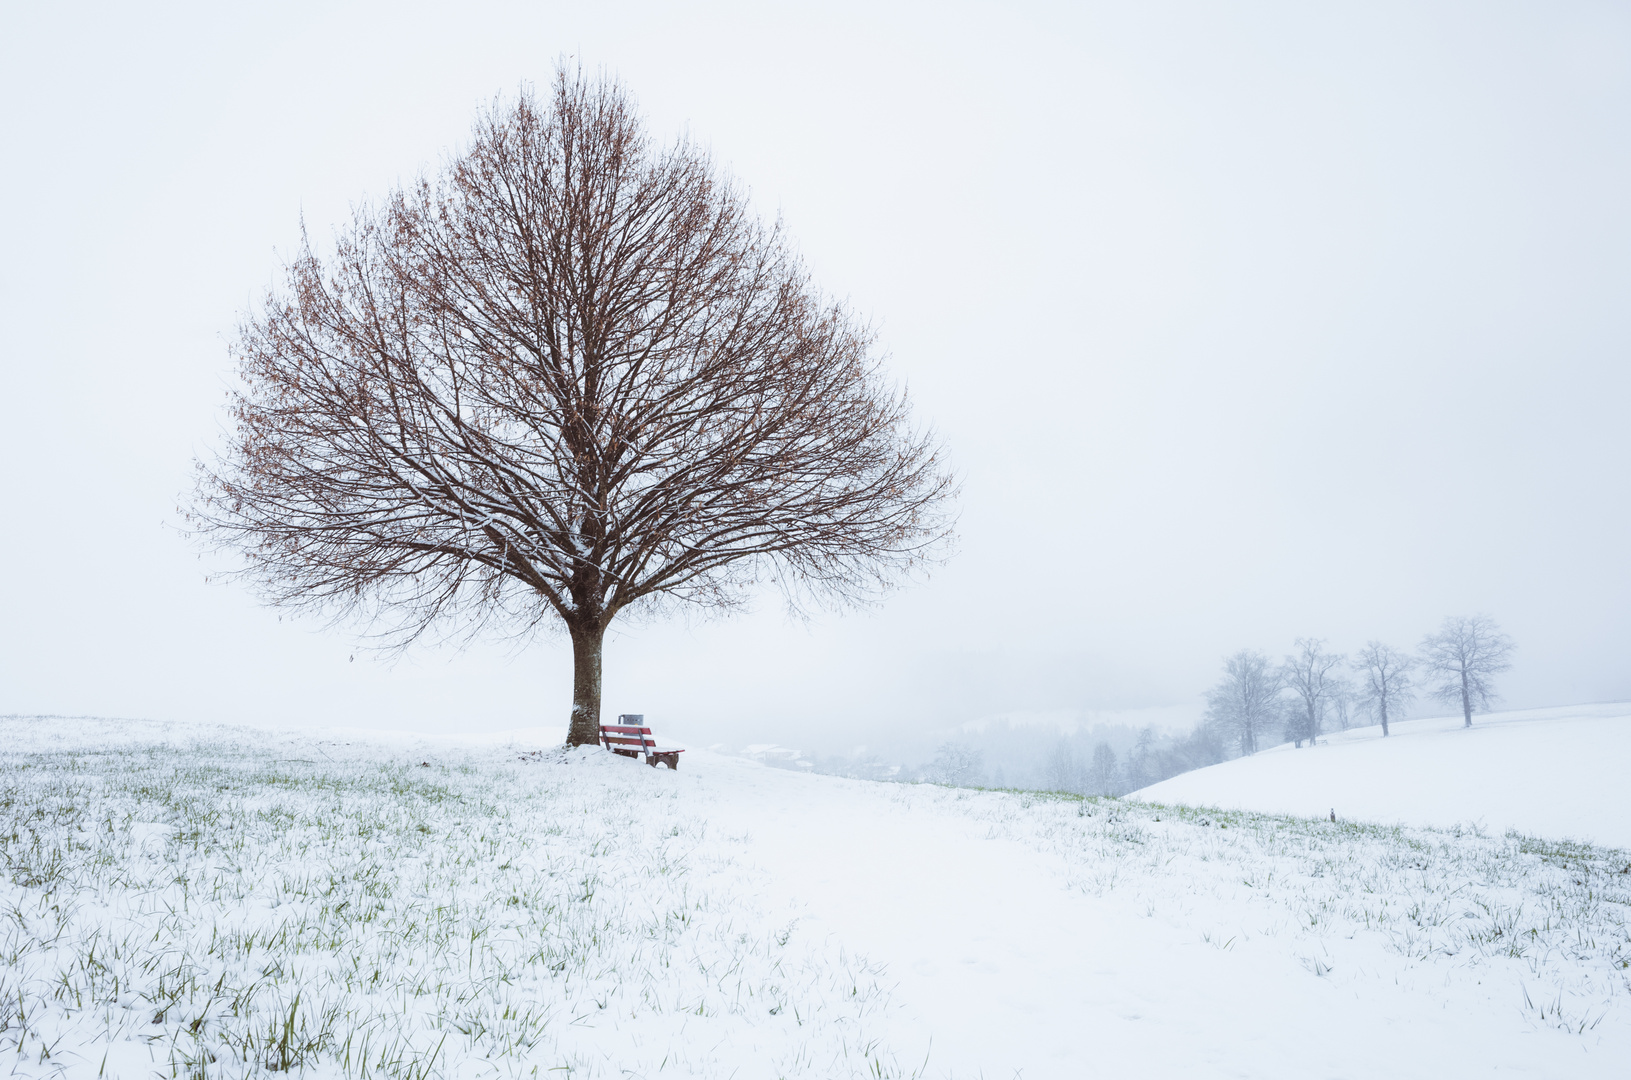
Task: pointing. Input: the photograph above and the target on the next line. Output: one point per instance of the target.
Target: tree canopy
(568, 376)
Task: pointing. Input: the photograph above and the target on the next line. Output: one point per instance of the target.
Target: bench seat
(634, 740)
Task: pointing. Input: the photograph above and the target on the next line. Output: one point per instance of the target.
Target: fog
(1240, 324)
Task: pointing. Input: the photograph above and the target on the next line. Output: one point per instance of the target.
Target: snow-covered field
(1563, 773)
(230, 903)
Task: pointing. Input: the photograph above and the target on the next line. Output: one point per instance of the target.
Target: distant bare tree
(1462, 660)
(1064, 770)
(1341, 702)
(571, 376)
(956, 764)
(1103, 776)
(1309, 674)
(1203, 746)
(1247, 702)
(1384, 680)
(1141, 769)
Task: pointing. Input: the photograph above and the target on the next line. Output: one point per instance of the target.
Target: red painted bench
(631, 738)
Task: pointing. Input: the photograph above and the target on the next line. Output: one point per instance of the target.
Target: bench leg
(671, 760)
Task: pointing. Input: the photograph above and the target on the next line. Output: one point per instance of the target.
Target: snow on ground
(231, 903)
(1560, 773)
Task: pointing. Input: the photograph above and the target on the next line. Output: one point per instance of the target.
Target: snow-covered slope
(190, 902)
(1563, 773)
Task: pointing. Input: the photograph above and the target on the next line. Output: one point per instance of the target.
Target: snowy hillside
(191, 902)
(1558, 773)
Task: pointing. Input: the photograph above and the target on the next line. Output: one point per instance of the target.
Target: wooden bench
(631, 738)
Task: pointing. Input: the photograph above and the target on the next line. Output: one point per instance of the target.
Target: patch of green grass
(224, 911)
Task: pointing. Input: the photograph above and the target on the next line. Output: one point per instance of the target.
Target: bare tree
(569, 376)
(1462, 660)
(1103, 775)
(956, 764)
(1247, 701)
(1309, 674)
(1341, 702)
(1063, 770)
(1384, 680)
(1141, 769)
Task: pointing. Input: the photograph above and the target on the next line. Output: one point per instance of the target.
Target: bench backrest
(627, 737)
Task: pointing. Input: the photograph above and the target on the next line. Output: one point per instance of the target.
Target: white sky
(1243, 322)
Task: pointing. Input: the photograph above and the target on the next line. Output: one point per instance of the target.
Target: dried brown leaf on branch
(570, 375)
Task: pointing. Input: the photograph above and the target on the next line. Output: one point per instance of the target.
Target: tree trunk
(1466, 701)
(584, 729)
(1384, 717)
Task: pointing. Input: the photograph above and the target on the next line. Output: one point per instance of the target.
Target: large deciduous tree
(1247, 701)
(1384, 680)
(1462, 660)
(568, 376)
(1310, 674)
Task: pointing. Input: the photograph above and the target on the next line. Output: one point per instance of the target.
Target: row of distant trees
(1300, 696)
(1102, 772)
(1153, 758)
(1259, 703)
